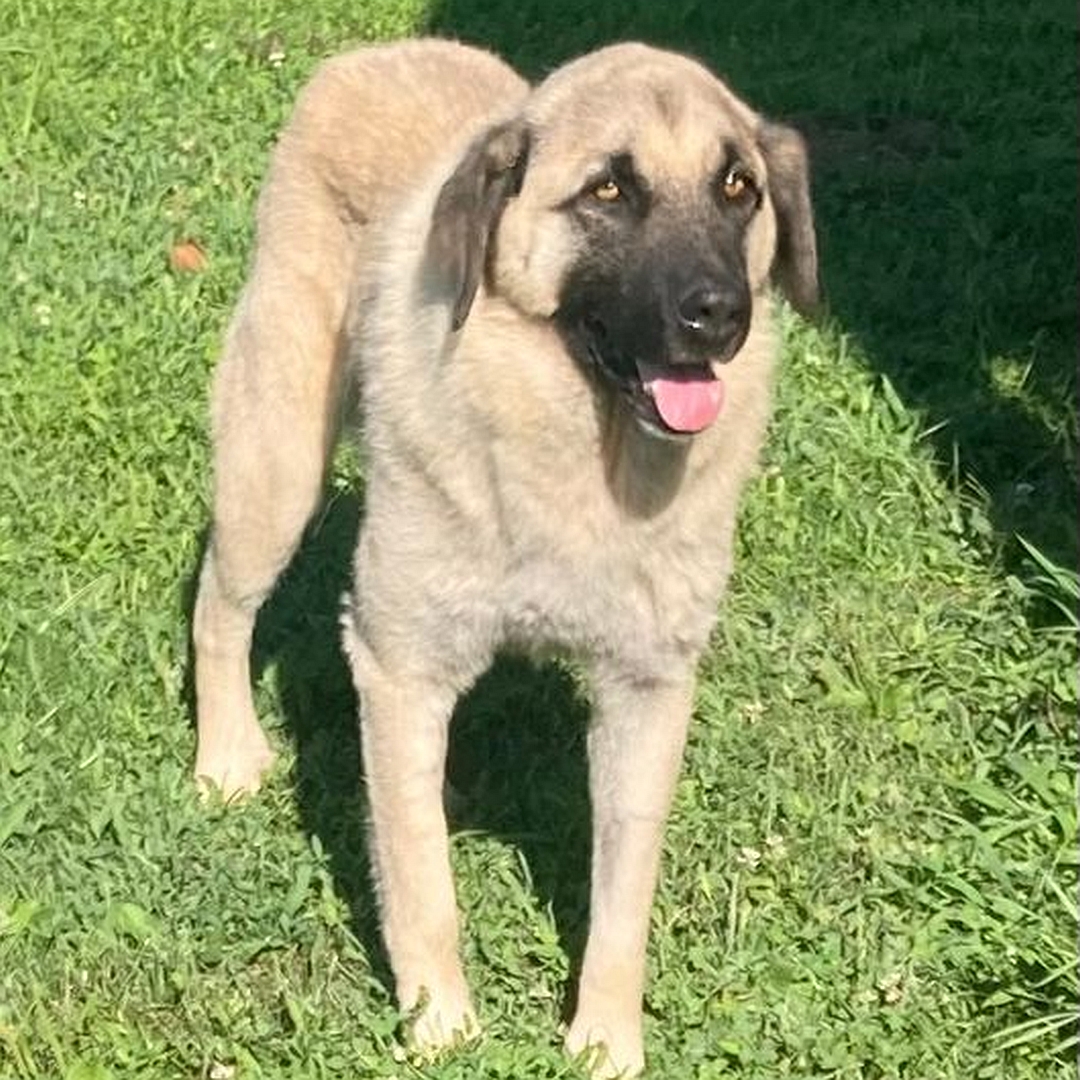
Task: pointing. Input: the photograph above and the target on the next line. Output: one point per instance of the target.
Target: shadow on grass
(516, 764)
(518, 770)
(943, 141)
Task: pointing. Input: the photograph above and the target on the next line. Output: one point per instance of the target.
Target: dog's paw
(440, 1021)
(234, 771)
(609, 1051)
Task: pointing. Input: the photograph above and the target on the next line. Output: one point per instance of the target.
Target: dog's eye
(608, 192)
(737, 184)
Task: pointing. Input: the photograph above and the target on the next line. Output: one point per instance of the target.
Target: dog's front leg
(404, 724)
(635, 750)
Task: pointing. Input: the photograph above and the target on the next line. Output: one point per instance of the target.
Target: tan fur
(510, 498)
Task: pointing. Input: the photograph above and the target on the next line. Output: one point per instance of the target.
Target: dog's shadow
(516, 767)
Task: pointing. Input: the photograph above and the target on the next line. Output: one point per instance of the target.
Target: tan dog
(557, 304)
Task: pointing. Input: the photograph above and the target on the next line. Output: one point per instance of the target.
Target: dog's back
(366, 131)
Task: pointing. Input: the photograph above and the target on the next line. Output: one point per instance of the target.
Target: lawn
(871, 866)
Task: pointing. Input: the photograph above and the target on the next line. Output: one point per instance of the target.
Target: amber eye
(737, 183)
(607, 192)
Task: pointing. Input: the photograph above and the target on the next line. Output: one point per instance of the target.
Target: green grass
(871, 866)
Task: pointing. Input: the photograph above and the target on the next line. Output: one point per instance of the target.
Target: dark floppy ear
(468, 209)
(795, 265)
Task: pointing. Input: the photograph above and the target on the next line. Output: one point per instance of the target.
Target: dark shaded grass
(516, 768)
(944, 146)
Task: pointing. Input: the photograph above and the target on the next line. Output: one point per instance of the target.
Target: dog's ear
(468, 210)
(795, 265)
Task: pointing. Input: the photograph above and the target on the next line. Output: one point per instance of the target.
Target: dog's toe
(442, 1021)
(610, 1052)
(235, 771)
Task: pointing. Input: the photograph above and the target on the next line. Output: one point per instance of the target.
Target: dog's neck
(644, 472)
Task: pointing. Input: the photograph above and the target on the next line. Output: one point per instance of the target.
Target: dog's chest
(576, 575)
(630, 617)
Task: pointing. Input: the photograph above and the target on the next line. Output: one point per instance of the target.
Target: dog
(556, 303)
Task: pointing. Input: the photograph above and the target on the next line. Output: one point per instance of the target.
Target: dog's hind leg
(276, 404)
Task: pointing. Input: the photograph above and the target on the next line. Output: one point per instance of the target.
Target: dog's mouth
(668, 400)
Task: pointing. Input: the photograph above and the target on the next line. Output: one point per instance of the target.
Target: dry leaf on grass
(187, 257)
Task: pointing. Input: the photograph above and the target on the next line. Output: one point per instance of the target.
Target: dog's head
(642, 207)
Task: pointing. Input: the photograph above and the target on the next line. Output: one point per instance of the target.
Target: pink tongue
(687, 404)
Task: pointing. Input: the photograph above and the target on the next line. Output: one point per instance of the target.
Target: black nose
(713, 316)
